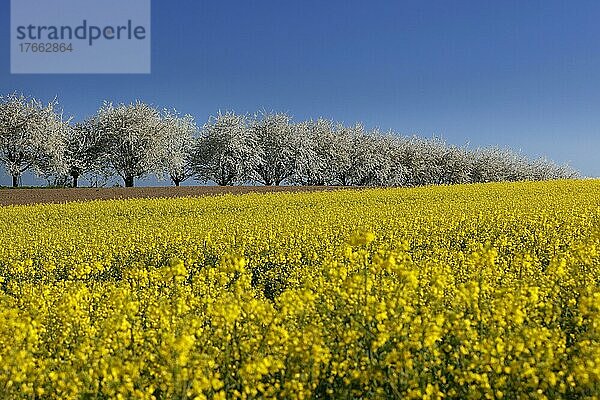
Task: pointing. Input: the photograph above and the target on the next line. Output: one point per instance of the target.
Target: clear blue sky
(524, 74)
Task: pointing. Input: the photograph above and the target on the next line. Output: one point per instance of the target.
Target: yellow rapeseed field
(464, 292)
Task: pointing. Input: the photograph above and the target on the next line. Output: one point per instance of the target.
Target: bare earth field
(42, 195)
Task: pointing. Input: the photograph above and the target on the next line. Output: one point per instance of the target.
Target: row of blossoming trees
(135, 140)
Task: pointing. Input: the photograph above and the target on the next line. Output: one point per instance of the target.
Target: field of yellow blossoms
(483, 291)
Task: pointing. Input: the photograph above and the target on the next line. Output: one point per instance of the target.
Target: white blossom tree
(336, 148)
(544, 169)
(455, 165)
(31, 136)
(136, 139)
(225, 152)
(274, 138)
(85, 150)
(418, 157)
(312, 152)
(493, 164)
(373, 159)
(351, 156)
(181, 132)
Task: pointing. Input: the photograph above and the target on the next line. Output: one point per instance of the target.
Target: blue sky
(523, 74)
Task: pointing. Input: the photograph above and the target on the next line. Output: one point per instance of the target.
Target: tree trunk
(176, 182)
(128, 181)
(75, 177)
(15, 180)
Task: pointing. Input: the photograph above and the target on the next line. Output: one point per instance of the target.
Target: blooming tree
(225, 152)
(136, 139)
(312, 152)
(31, 136)
(372, 159)
(181, 132)
(336, 148)
(85, 150)
(544, 169)
(274, 138)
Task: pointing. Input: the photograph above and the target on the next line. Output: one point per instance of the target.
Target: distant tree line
(135, 140)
